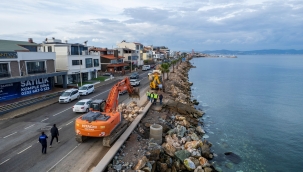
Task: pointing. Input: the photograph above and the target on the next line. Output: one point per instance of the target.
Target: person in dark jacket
(160, 98)
(55, 134)
(43, 141)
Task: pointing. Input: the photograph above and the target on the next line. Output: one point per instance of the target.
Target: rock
(169, 149)
(195, 161)
(189, 164)
(180, 118)
(205, 150)
(141, 163)
(118, 167)
(199, 169)
(181, 130)
(233, 157)
(229, 165)
(161, 167)
(146, 169)
(154, 155)
(194, 137)
(203, 161)
(147, 125)
(193, 144)
(182, 154)
(200, 130)
(172, 131)
(186, 123)
(207, 169)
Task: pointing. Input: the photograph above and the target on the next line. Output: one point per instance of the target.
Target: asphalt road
(20, 150)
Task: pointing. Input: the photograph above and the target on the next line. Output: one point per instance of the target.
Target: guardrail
(14, 106)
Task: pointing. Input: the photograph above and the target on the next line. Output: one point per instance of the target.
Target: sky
(181, 25)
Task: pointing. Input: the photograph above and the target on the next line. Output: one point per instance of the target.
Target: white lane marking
(63, 158)
(62, 111)
(25, 149)
(29, 126)
(4, 162)
(44, 119)
(59, 128)
(69, 123)
(9, 135)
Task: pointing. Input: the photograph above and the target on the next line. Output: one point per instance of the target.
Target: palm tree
(174, 62)
(164, 68)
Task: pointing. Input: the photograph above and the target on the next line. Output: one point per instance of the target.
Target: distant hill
(253, 52)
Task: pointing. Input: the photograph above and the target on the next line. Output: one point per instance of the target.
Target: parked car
(134, 75)
(82, 105)
(106, 74)
(69, 95)
(134, 82)
(145, 67)
(86, 89)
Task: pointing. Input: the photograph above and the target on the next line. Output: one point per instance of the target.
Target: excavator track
(109, 140)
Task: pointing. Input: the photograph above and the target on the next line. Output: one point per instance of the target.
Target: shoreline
(182, 147)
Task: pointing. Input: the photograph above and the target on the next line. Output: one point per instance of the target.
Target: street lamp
(80, 64)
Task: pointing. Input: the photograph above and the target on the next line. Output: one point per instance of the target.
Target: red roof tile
(111, 56)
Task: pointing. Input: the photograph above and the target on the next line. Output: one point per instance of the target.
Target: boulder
(180, 130)
(189, 164)
(195, 161)
(153, 155)
(193, 144)
(141, 163)
(203, 161)
(161, 167)
(200, 130)
(182, 154)
(169, 149)
(207, 169)
(194, 136)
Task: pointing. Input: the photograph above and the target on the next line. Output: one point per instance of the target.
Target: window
(49, 49)
(4, 70)
(133, 57)
(77, 50)
(96, 62)
(89, 62)
(35, 67)
(76, 62)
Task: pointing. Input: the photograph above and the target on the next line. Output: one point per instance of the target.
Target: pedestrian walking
(55, 134)
(160, 98)
(148, 95)
(43, 141)
(155, 98)
(151, 97)
(160, 86)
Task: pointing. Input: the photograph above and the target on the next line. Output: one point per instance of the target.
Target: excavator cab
(97, 105)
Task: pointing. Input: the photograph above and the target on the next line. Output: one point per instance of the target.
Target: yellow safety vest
(155, 96)
(152, 95)
(148, 94)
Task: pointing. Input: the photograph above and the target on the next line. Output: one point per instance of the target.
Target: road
(20, 150)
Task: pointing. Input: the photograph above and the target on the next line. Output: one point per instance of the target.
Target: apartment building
(25, 70)
(74, 58)
(136, 57)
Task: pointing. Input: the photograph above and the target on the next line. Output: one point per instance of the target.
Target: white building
(137, 56)
(73, 58)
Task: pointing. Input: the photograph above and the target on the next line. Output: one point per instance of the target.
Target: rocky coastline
(182, 147)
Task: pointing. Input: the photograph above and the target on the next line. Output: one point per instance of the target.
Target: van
(69, 95)
(86, 89)
(145, 67)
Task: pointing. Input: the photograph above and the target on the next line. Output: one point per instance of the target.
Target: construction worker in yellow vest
(148, 95)
(155, 98)
(151, 97)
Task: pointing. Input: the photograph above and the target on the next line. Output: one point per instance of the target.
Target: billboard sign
(24, 88)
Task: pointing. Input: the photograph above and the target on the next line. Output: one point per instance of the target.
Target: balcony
(4, 74)
(36, 71)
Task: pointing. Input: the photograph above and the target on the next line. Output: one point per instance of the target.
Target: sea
(253, 108)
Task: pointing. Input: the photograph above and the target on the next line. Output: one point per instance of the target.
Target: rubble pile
(131, 111)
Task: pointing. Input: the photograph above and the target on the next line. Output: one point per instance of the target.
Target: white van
(69, 95)
(145, 67)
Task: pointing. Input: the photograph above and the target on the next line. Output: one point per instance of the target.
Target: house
(25, 70)
(110, 59)
(136, 57)
(73, 58)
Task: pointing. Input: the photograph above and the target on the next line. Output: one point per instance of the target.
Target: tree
(164, 68)
(174, 62)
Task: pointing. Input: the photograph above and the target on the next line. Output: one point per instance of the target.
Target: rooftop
(12, 46)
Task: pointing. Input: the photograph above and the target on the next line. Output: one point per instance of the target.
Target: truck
(155, 79)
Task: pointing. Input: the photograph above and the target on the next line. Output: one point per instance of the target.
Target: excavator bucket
(135, 93)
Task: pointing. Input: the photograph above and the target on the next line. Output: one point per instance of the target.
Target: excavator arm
(113, 96)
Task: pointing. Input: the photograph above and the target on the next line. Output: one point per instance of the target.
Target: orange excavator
(104, 120)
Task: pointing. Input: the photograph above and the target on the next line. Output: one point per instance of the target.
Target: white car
(86, 89)
(69, 95)
(82, 105)
(134, 82)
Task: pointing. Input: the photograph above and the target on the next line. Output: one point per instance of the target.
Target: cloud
(182, 25)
